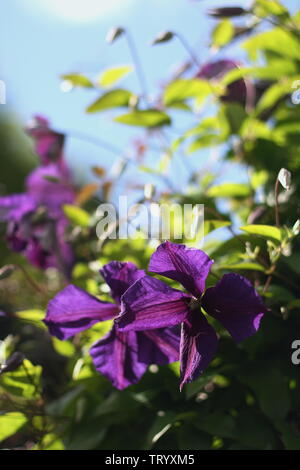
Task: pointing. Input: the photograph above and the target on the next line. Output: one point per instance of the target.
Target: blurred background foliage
(248, 398)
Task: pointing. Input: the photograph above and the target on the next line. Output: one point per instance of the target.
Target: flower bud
(13, 362)
(227, 12)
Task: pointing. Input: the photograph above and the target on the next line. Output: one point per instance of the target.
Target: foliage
(248, 398)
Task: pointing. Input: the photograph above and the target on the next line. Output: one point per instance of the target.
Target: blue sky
(38, 45)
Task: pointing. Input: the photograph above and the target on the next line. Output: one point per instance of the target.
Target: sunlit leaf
(113, 75)
(269, 7)
(223, 33)
(145, 118)
(65, 348)
(10, 423)
(24, 382)
(112, 99)
(266, 231)
(211, 225)
(235, 190)
(76, 215)
(182, 89)
(242, 266)
(34, 316)
(78, 80)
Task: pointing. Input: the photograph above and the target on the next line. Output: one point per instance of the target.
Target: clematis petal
(188, 266)
(50, 186)
(239, 91)
(116, 357)
(120, 276)
(74, 310)
(48, 143)
(234, 302)
(150, 304)
(197, 347)
(159, 346)
(15, 206)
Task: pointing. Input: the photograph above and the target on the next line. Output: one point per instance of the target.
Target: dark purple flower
(240, 91)
(150, 303)
(36, 223)
(122, 357)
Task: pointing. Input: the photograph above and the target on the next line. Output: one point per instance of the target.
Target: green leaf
(259, 178)
(24, 382)
(76, 215)
(112, 99)
(278, 69)
(211, 225)
(10, 423)
(235, 115)
(198, 385)
(113, 75)
(183, 89)
(242, 266)
(145, 118)
(33, 316)
(277, 40)
(218, 423)
(50, 442)
(254, 431)
(190, 438)
(270, 387)
(235, 190)
(273, 94)
(206, 140)
(264, 8)
(78, 80)
(266, 231)
(223, 33)
(64, 348)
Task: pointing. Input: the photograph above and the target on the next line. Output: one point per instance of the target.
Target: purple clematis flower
(48, 143)
(240, 91)
(36, 224)
(150, 303)
(122, 357)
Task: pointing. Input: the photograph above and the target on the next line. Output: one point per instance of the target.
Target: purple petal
(14, 207)
(48, 143)
(63, 253)
(150, 304)
(234, 302)
(120, 276)
(188, 266)
(159, 346)
(236, 91)
(50, 186)
(197, 347)
(115, 356)
(74, 310)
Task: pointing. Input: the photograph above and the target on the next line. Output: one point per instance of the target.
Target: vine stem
(30, 280)
(187, 47)
(138, 65)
